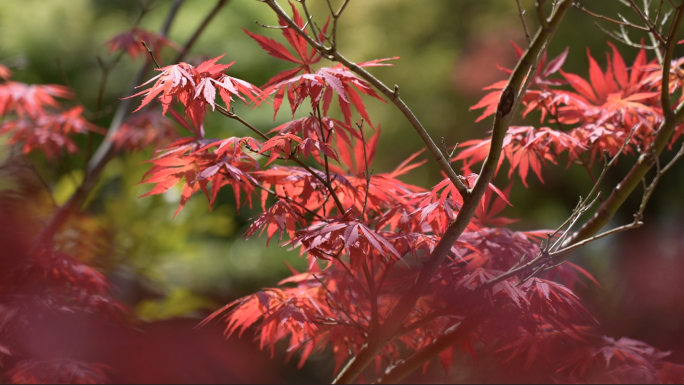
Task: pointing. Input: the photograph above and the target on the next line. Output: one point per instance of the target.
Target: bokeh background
(173, 272)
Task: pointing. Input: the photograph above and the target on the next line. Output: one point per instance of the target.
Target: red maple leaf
(195, 87)
(304, 82)
(490, 101)
(49, 132)
(30, 100)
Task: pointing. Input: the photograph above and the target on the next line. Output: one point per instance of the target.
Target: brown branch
(650, 25)
(647, 159)
(660, 9)
(103, 154)
(451, 336)
(556, 256)
(309, 21)
(340, 308)
(521, 13)
(325, 140)
(543, 21)
(40, 178)
(334, 55)
(327, 185)
(508, 104)
(107, 68)
(232, 115)
(585, 164)
(149, 51)
(624, 23)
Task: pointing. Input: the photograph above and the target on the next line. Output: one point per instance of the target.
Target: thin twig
(575, 246)
(608, 165)
(624, 39)
(42, 180)
(325, 183)
(596, 15)
(647, 10)
(660, 9)
(151, 54)
(648, 191)
(539, 6)
(648, 22)
(332, 54)
(336, 17)
(521, 13)
(325, 140)
(367, 174)
(341, 308)
(309, 20)
(101, 157)
(647, 160)
(271, 26)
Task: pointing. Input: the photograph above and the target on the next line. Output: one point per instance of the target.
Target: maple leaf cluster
(366, 235)
(33, 117)
(196, 87)
(594, 117)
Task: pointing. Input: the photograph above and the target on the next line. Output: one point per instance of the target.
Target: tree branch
(416, 360)
(521, 13)
(508, 104)
(596, 15)
(648, 159)
(103, 154)
(650, 25)
(334, 55)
